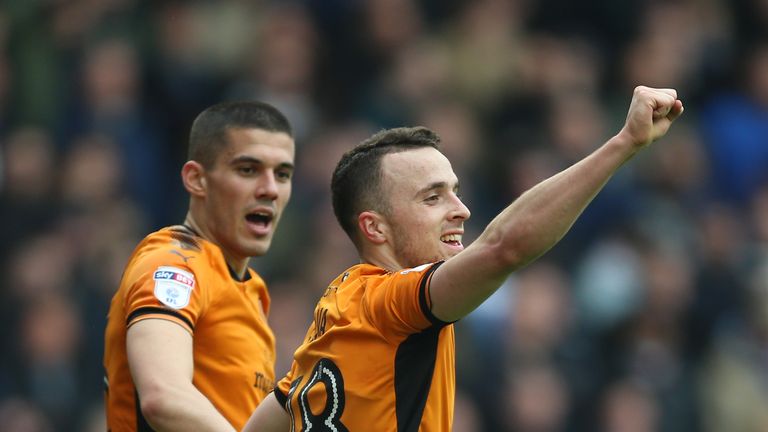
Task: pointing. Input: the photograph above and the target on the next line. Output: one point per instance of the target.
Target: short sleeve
(399, 303)
(163, 286)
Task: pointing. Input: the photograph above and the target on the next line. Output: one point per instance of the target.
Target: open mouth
(260, 219)
(452, 240)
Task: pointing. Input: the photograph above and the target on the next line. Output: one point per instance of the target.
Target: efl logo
(173, 286)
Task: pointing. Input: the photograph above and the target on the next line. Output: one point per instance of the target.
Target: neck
(381, 256)
(238, 265)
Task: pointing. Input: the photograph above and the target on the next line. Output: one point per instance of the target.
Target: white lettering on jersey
(416, 269)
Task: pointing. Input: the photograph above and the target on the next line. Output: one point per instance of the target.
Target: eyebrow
(435, 186)
(253, 160)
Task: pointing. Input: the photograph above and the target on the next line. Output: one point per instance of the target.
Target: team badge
(173, 286)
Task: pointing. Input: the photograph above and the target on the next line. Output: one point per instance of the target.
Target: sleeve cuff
(425, 300)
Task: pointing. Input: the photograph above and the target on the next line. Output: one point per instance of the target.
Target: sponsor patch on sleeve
(416, 269)
(173, 286)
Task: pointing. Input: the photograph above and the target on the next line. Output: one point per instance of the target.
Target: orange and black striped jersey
(374, 359)
(176, 275)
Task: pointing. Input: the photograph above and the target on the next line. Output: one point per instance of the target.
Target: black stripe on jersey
(141, 422)
(424, 292)
(414, 367)
(158, 310)
(185, 235)
(280, 396)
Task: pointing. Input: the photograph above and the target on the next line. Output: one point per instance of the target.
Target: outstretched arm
(540, 217)
(268, 417)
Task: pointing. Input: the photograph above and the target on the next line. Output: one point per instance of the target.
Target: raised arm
(540, 217)
(160, 358)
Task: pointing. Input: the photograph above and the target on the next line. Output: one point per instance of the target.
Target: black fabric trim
(190, 229)
(414, 367)
(141, 422)
(281, 397)
(424, 292)
(233, 275)
(188, 238)
(158, 310)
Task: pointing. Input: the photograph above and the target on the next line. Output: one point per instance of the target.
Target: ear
(373, 227)
(193, 177)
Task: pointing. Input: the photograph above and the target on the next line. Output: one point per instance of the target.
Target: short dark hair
(356, 181)
(207, 135)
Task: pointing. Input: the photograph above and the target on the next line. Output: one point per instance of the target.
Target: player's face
(426, 217)
(247, 190)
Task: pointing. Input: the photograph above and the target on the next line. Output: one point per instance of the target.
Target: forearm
(182, 409)
(268, 417)
(541, 216)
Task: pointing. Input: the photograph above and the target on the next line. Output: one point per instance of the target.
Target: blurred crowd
(651, 314)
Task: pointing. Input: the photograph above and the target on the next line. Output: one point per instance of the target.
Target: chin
(257, 249)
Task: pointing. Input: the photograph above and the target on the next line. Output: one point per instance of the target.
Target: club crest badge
(173, 286)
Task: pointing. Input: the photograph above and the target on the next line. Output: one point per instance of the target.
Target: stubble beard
(408, 252)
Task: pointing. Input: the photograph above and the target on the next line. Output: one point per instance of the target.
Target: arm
(540, 217)
(268, 417)
(160, 358)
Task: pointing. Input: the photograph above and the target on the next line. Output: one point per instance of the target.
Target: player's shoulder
(358, 273)
(175, 246)
(369, 275)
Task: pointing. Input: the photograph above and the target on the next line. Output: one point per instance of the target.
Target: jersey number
(327, 373)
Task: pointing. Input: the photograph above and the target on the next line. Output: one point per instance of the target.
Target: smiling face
(425, 215)
(246, 191)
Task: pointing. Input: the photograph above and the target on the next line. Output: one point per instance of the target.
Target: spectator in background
(628, 407)
(20, 416)
(52, 357)
(40, 299)
(187, 345)
(111, 106)
(28, 186)
(535, 399)
(733, 385)
(283, 68)
(735, 131)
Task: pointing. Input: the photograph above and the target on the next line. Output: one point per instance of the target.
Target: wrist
(623, 145)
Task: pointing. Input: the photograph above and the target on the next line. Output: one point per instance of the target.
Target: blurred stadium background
(651, 315)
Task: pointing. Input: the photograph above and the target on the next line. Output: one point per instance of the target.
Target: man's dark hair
(207, 136)
(356, 182)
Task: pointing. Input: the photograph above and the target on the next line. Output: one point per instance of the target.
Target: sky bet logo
(171, 274)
